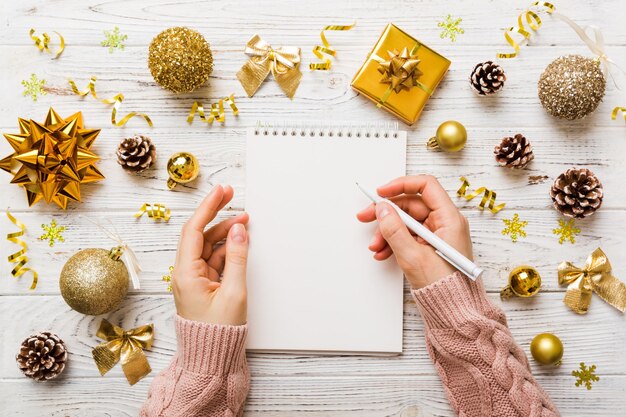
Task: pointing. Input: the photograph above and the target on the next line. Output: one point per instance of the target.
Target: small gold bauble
(451, 136)
(92, 282)
(182, 168)
(547, 349)
(524, 281)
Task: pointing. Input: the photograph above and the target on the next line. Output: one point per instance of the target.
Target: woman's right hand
(424, 199)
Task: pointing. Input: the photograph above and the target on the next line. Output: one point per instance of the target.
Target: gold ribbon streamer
(488, 196)
(616, 110)
(532, 19)
(325, 48)
(155, 211)
(282, 62)
(42, 42)
(19, 258)
(125, 345)
(115, 100)
(217, 110)
(596, 277)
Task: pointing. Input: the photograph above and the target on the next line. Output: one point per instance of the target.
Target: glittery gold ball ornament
(571, 87)
(451, 136)
(524, 281)
(547, 349)
(94, 281)
(180, 59)
(182, 168)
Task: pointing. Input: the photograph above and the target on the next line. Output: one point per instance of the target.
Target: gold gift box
(406, 105)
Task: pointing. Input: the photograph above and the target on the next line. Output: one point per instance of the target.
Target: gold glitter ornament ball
(182, 168)
(92, 282)
(547, 349)
(180, 59)
(571, 87)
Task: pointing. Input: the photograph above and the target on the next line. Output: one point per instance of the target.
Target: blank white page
(312, 283)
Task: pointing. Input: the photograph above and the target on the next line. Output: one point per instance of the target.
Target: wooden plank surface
(291, 385)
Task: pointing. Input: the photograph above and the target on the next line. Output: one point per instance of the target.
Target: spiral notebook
(312, 283)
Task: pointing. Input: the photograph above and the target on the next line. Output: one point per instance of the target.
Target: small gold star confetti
(514, 227)
(34, 87)
(566, 231)
(451, 28)
(114, 39)
(585, 375)
(168, 279)
(52, 233)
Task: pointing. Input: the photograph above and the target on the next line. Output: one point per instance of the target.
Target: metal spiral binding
(323, 129)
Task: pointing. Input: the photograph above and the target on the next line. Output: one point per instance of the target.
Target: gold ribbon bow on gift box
(125, 345)
(596, 277)
(283, 62)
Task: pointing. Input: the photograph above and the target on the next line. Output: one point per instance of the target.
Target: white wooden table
(289, 385)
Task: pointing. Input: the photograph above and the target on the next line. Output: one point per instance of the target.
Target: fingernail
(373, 241)
(214, 188)
(382, 209)
(238, 233)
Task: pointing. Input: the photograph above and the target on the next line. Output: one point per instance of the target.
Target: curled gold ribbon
(282, 62)
(596, 277)
(533, 22)
(488, 196)
(42, 42)
(325, 48)
(616, 110)
(217, 110)
(116, 100)
(155, 211)
(126, 346)
(19, 258)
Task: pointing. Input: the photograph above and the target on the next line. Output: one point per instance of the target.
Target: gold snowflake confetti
(53, 232)
(114, 39)
(566, 231)
(585, 375)
(514, 227)
(34, 87)
(168, 279)
(450, 28)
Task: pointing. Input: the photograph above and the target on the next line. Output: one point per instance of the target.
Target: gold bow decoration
(283, 62)
(596, 277)
(126, 346)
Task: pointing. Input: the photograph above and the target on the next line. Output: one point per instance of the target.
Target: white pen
(447, 252)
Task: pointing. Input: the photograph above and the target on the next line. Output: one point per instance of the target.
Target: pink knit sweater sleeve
(208, 376)
(483, 370)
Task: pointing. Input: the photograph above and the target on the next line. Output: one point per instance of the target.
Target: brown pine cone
(577, 193)
(514, 152)
(136, 153)
(487, 78)
(42, 356)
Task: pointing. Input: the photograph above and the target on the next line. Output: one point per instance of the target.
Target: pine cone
(577, 193)
(42, 356)
(487, 78)
(136, 153)
(514, 152)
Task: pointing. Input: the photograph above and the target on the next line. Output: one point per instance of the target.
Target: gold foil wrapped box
(400, 74)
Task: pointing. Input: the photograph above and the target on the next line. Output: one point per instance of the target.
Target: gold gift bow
(617, 110)
(282, 62)
(217, 110)
(43, 42)
(155, 211)
(325, 48)
(19, 258)
(126, 346)
(488, 196)
(115, 100)
(596, 277)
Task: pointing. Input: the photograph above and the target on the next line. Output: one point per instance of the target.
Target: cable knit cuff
(452, 301)
(210, 349)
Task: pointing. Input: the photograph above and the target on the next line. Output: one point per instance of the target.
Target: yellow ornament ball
(182, 168)
(524, 281)
(547, 349)
(451, 136)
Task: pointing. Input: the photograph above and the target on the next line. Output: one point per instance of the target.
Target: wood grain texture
(306, 385)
